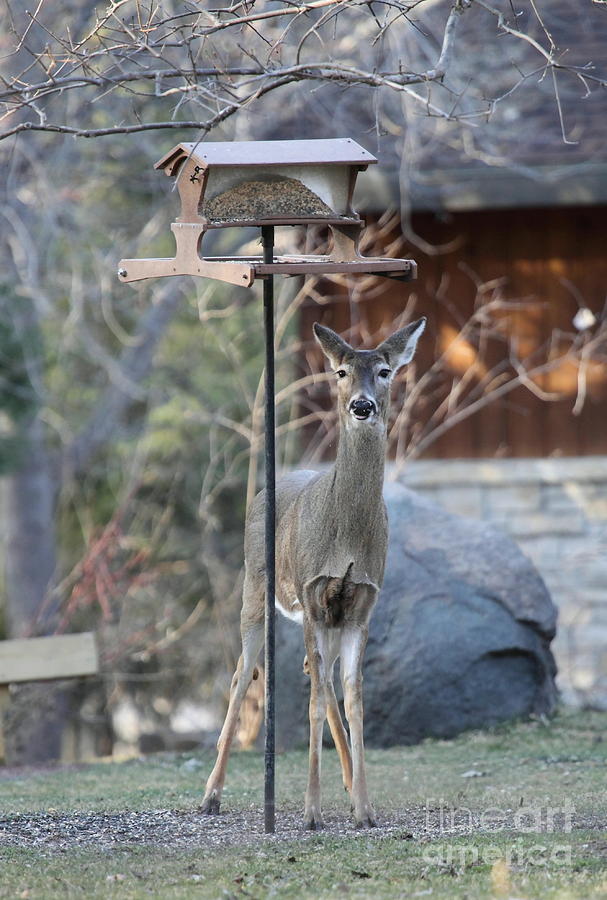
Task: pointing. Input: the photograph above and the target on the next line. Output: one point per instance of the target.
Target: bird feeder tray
(265, 183)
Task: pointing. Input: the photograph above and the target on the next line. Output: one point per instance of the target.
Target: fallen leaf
(500, 877)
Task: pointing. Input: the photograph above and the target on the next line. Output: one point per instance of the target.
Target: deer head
(364, 377)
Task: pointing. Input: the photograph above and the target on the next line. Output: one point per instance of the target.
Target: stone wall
(556, 509)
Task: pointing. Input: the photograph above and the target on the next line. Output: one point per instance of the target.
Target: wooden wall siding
(554, 259)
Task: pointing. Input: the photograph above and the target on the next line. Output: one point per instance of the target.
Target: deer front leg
(315, 638)
(353, 642)
(252, 639)
(338, 732)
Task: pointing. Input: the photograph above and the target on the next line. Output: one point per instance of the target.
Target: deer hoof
(210, 804)
(366, 819)
(306, 666)
(313, 820)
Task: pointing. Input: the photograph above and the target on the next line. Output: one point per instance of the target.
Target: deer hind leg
(340, 738)
(252, 640)
(353, 642)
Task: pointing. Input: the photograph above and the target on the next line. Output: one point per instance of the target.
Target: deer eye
(384, 373)
(341, 373)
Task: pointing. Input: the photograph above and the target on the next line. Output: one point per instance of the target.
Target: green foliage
(20, 349)
(17, 394)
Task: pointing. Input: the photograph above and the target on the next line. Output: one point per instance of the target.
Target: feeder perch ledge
(261, 183)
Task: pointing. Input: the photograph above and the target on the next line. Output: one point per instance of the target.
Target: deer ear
(399, 348)
(332, 345)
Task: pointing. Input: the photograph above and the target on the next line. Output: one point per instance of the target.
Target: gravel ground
(189, 829)
(177, 829)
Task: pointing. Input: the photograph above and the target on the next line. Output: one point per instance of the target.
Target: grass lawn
(518, 811)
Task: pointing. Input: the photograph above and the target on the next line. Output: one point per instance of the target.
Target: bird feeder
(265, 183)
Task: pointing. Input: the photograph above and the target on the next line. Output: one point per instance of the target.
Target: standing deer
(331, 543)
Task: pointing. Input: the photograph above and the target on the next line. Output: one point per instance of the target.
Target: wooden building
(517, 204)
(533, 269)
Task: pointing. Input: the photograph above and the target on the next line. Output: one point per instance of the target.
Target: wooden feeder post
(264, 184)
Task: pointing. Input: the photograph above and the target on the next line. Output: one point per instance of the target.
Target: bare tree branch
(126, 54)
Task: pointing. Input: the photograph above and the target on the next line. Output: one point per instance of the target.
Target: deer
(331, 545)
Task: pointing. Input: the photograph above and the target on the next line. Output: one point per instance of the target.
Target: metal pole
(267, 238)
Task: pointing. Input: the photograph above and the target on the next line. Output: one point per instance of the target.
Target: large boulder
(460, 637)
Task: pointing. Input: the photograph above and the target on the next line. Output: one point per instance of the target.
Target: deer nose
(362, 409)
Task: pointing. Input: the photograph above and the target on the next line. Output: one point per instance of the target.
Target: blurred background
(131, 416)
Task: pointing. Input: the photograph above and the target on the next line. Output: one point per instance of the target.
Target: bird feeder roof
(334, 151)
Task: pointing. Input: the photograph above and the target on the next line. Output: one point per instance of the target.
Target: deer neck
(358, 474)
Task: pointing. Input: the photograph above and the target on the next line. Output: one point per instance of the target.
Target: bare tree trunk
(37, 714)
(30, 529)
